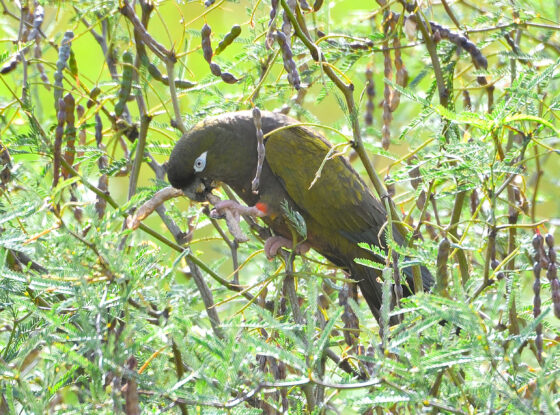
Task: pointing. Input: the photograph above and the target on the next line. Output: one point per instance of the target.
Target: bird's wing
(338, 199)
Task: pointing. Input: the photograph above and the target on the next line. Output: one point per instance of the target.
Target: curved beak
(199, 188)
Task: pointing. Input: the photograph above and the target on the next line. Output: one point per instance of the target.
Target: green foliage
(98, 318)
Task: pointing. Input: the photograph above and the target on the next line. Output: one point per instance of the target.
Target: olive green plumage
(339, 210)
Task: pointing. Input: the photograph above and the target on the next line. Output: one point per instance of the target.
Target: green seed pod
(72, 64)
(63, 56)
(93, 94)
(228, 39)
(154, 71)
(206, 43)
(126, 84)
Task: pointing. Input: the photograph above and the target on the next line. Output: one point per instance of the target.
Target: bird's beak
(198, 190)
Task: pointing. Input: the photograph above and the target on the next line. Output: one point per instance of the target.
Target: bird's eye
(200, 162)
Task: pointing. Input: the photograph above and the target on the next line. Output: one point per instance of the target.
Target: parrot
(338, 208)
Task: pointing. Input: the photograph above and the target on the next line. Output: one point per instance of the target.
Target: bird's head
(218, 149)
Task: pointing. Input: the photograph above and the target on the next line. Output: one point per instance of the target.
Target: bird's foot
(273, 245)
(236, 209)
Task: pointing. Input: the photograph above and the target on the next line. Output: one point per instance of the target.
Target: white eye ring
(200, 162)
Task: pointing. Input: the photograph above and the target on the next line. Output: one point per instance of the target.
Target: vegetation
(450, 107)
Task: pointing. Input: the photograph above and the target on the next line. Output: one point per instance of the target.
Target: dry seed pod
(317, 5)
(215, 69)
(474, 201)
(537, 308)
(415, 177)
(387, 98)
(80, 112)
(63, 56)
(5, 166)
(228, 78)
(467, 105)
(370, 93)
(228, 39)
(401, 75)
(70, 151)
(287, 57)
(10, 65)
(206, 43)
(271, 24)
(304, 5)
(421, 201)
(126, 83)
(103, 183)
(38, 17)
(59, 131)
(351, 323)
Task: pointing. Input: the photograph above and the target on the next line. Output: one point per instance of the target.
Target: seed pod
(103, 183)
(58, 133)
(70, 151)
(287, 57)
(387, 98)
(38, 17)
(126, 83)
(206, 43)
(467, 105)
(370, 93)
(10, 65)
(442, 273)
(215, 69)
(474, 201)
(93, 94)
(304, 5)
(5, 166)
(421, 201)
(229, 78)
(415, 177)
(317, 5)
(537, 307)
(351, 323)
(40, 67)
(72, 64)
(228, 39)
(401, 75)
(154, 71)
(63, 56)
(80, 112)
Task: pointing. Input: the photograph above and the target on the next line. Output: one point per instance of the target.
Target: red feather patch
(263, 207)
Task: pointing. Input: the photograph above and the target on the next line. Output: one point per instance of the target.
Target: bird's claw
(235, 208)
(273, 245)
